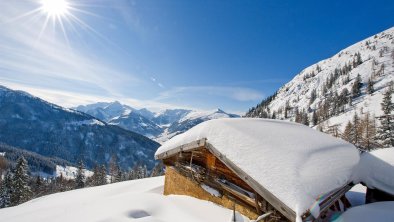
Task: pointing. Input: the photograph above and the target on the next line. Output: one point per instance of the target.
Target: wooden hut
(260, 168)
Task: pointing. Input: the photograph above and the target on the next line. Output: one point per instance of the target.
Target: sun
(55, 8)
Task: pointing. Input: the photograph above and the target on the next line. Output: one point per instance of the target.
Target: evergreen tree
(158, 170)
(5, 191)
(38, 185)
(114, 169)
(314, 118)
(304, 118)
(347, 133)
(103, 175)
(356, 88)
(356, 130)
(96, 176)
(369, 132)
(80, 178)
(370, 88)
(313, 96)
(142, 172)
(386, 130)
(21, 191)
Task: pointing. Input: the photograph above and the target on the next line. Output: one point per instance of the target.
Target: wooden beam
(185, 147)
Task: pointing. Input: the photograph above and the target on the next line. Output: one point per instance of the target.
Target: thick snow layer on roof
(137, 200)
(292, 161)
(376, 170)
(356, 195)
(379, 211)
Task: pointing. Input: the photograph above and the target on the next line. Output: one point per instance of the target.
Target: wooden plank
(185, 147)
(268, 196)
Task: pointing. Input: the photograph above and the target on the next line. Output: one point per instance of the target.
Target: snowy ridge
(377, 64)
(159, 126)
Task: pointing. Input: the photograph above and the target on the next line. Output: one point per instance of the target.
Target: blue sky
(163, 54)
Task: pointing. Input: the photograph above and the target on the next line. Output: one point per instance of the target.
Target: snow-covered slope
(105, 111)
(70, 172)
(191, 119)
(159, 126)
(32, 124)
(327, 79)
(137, 200)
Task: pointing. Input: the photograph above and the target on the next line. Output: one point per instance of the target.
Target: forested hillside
(347, 95)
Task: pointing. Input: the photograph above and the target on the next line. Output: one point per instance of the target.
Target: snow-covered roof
(295, 163)
(376, 170)
(379, 211)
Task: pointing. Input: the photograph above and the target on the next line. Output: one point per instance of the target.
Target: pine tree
(114, 169)
(103, 175)
(347, 133)
(6, 191)
(304, 118)
(369, 132)
(357, 130)
(158, 170)
(80, 178)
(96, 176)
(386, 130)
(313, 96)
(370, 88)
(21, 191)
(38, 185)
(356, 87)
(314, 118)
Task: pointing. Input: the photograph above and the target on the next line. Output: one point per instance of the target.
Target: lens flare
(55, 8)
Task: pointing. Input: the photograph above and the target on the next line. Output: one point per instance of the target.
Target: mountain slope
(37, 163)
(50, 130)
(191, 119)
(329, 89)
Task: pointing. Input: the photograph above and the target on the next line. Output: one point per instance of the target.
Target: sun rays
(61, 18)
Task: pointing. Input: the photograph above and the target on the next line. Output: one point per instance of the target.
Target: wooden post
(256, 199)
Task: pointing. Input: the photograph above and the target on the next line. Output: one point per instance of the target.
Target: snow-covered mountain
(105, 111)
(33, 124)
(159, 126)
(190, 119)
(329, 89)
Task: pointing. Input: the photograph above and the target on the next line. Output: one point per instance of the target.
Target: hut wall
(176, 183)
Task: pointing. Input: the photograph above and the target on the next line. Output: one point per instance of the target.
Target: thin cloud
(235, 93)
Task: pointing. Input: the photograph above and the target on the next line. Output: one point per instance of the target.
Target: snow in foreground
(137, 200)
(379, 211)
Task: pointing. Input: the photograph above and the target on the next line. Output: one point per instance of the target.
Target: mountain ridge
(159, 126)
(33, 124)
(329, 93)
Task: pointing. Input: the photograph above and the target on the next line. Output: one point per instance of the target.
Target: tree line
(18, 185)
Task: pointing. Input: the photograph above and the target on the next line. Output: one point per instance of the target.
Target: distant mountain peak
(156, 125)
